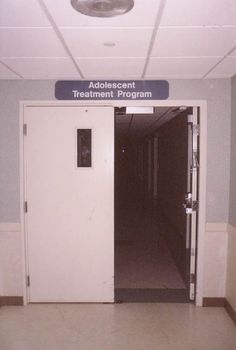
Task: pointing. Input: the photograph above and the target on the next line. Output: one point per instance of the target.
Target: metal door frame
(191, 198)
(202, 104)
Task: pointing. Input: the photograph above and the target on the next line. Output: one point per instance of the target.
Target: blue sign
(112, 90)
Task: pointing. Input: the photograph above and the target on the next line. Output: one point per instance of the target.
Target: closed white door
(70, 203)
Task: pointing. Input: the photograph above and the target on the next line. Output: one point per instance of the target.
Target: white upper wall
(11, 92)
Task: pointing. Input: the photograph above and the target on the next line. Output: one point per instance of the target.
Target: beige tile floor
(115, 327)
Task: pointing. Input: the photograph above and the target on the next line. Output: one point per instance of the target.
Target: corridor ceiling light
(102, 8)
(139, 110)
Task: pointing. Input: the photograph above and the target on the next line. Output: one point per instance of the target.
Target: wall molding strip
(216, 227)
(9, 227)
(231, 229)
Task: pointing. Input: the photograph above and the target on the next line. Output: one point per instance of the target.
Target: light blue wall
(11, 92)
(216, 92)
(232, 201)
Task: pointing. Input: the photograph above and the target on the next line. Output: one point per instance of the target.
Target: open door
(191, 198)
(69, 203)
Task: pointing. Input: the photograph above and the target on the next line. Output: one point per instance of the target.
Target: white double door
(69, 221)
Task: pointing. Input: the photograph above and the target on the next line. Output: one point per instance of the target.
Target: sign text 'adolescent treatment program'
(112, 90)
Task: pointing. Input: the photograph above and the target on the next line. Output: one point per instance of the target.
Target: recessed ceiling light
(102, 8)
(109, 44)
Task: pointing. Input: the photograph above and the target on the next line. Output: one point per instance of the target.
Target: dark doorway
(151, 162)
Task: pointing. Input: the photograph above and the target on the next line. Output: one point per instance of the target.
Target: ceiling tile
(89, 42)
(180, 67)
(192, 42)
(227, 68)
(5, 73)
(111, 67)
(30, 42)
(221, 12)
(43, 68)
(142, 14)
(184, 12)
(22, 13)
(200, 12)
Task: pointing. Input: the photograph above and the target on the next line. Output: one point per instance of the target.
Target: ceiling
(48, 39)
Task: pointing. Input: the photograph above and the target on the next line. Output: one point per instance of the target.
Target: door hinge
(196, 129)
(195, 205)
(195, 164)
(192, 251)
(25, 129)
(26, 207)
(192, 278)
(27, 280)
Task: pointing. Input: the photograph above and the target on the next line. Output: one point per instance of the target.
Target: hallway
(144, 267)
(115, 327)
(152, 176)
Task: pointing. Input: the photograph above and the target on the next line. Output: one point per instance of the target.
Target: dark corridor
(150, 256)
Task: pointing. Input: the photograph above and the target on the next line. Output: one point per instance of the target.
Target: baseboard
(230, 310)
(214, 302)
(11, 300)
(220, 302)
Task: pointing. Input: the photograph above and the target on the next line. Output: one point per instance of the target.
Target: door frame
(202, 104)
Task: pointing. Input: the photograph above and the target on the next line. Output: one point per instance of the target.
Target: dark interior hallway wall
(144, 266)
(127, 190)
(135, 183)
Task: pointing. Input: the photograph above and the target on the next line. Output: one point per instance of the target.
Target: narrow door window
(84, 143)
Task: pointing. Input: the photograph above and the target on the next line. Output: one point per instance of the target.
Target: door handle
(190, 205)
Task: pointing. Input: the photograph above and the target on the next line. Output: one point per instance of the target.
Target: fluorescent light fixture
(139, 110)
(102, 8)
(109, 44)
